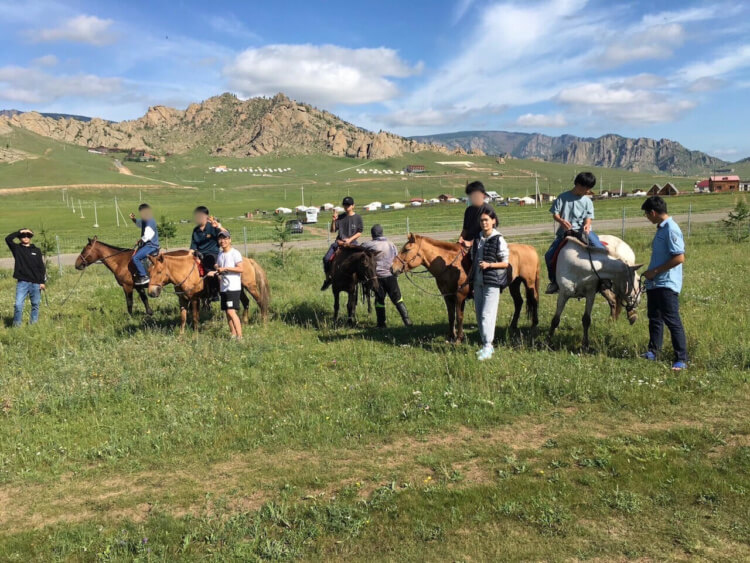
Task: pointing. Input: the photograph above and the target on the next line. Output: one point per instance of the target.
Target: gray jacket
(386, 255)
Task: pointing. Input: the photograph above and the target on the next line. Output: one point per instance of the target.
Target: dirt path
(513, 233)
(13, 191)
(122, 169)
(248, 480)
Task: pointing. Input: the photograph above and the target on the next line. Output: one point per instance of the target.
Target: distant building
(140, 155)
(724, 184)
(415, 169)
(745, 185)
(669, 189)
(655, 189)
(701, 187)
(545, 198)
(445, 197)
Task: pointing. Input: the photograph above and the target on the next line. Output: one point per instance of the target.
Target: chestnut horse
(181, 269)
(447, 262)
(118, 261)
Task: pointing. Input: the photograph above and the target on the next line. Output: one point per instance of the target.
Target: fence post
(623, 224)
(407, 226)
(244, 235)
(59, 258)
(690, 219)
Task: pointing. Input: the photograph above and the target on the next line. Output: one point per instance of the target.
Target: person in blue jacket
(148, 243)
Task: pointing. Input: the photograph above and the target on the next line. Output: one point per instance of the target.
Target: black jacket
(494, 251)
(29, 266)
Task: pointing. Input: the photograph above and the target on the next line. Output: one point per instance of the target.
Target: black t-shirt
(206, 240)
(471, 220)
(29, 262)
(349, 225)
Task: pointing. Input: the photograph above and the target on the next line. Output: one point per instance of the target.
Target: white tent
(397, 205)
(370, 207)
(453, 200)
(375, 204)
(339, 209)
(527, 200)
(302, 208)
(433, 200)
(327, 206)
(416, 204)
(282, 211)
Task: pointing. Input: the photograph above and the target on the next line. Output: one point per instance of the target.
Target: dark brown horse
(181, 269)
(448, 264)
(118, 261)
(353, 266)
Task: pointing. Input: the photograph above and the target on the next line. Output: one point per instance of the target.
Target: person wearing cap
(229, 270)
(30, 274)
(205, 243)
(148, 243)
(387, 282)
(477, 205)
(348, 228)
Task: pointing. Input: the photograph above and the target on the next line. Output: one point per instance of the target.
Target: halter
(86, 263)
(630, 303)
(178, 285)
(408, 273)
(407, 264)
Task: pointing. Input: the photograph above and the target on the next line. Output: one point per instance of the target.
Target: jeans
(34, 293)
(550, 254)
(140, 255)
(664, 309)
(486, 299)
(328, 256)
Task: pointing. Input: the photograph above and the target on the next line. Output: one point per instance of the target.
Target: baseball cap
(224, 234)
(376, 231)
(348, 200)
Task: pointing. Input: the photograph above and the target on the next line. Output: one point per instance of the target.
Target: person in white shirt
(229, 268)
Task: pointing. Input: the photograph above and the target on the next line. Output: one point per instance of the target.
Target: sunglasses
(26, 235)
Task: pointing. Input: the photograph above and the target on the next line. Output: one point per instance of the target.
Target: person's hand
(484, 265)
(587, 228)
(340, 242)
(566, 224)
(212, 273)
(650, 274)
(335, 215)
(43, 287)
(132, 215)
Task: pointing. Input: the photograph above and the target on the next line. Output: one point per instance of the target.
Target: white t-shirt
(230, 281)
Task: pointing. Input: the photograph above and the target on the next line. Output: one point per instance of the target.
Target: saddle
(577, 237)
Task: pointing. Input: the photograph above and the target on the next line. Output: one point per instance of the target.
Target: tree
(166, 230)
(281, 235)
(737, 223)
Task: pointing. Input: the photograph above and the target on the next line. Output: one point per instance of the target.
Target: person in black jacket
(489, 276)
(30, 273)
(205, 241)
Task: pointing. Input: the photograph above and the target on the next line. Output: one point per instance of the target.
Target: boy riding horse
(349, 229)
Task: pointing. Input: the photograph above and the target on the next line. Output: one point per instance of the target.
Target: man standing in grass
(664, 283)
(148, 244)
(573, 211)
(29, 272)
(229, 268)
(349, 229)
(387, 282)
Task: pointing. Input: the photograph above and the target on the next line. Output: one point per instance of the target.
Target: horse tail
(532, 296)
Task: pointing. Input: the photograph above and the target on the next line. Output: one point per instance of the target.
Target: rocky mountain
(613, 151)
(12, 112)
(226, 125)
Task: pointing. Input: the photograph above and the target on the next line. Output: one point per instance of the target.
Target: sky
(661, 69)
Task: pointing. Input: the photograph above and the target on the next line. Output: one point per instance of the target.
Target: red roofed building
(724, 183)
(701, 187)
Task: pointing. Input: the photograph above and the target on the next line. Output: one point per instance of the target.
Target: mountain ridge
(611, 150)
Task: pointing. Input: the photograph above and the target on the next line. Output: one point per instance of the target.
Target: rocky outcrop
(614, 151)
(226, 125)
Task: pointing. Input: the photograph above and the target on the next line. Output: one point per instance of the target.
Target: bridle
(630, 302)
(179, 285)
(91, 246)
(407, 263)
(407, 271)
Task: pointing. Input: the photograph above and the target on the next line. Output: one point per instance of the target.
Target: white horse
(583, 271)
(617, 248)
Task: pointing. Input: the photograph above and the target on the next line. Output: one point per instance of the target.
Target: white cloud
(78, 29)
(232, 25)
(461, 9)
(735, 59)
(541, 120)
(34, 86)
(319, 74)
(619, 103)
(46, 60)
(431, 117)
(654, 42)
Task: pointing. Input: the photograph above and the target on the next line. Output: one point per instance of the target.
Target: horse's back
(618, 248)
(525, 261)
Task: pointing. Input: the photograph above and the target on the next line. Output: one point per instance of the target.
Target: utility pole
(96, 218)
(117, 213)
(302, 189)
(80, 208)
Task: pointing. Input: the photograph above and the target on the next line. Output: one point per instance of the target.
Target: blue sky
(670, 69)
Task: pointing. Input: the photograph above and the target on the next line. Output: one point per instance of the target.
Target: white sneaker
(485, 353)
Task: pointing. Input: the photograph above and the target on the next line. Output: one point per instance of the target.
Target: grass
(122, 440)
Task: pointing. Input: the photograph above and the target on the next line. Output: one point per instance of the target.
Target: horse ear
(637, 267)
(90, 241)
(411, 237)
(151, 259)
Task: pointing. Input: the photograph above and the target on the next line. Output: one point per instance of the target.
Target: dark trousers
(209, 264)
(329, 256)
(387, 286)
(664, 309)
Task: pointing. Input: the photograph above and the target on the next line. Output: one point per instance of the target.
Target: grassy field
(176, 186)
(123, 441)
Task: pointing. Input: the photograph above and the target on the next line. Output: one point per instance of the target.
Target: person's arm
(673, 262)
(352, 238)
(237, 268)
(587, 225)
(334, 222)
(193, 243)
(502, 258)
(10, 240)
(556, 209)
(148, 234)
(589, 217)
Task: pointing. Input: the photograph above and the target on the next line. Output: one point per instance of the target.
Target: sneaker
(650, 356)
(142, 280)
(679, 366)
(552, 288)
(485, 353)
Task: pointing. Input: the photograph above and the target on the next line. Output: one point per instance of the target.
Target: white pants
(486, 300)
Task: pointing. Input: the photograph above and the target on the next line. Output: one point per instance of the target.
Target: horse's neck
(116, 261)
(431, 253)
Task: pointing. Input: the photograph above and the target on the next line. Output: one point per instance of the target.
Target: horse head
(409, 257)
(367, 270)
(159, 274)
(629, 291)
(88, 255)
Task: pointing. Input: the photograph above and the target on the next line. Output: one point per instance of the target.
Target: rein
(178, 285)
(408, 271)
(86, 263)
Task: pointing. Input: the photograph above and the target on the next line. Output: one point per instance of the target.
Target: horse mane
(112, 246)
(444, 244)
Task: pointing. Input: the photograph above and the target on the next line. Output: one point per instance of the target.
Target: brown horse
(181, 269)
(352, 266)
(447, 262)
(118, 261)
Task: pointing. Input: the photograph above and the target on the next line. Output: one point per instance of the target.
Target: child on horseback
(349, 229)
(148, 244)
(573, 211)
(229, 268)
(205, 241)
(664, 283)
(387, 282)
(488, 276)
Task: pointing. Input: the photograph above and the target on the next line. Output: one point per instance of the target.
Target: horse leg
(245, 300)
(144, 300)
(614, 305)
(335, 306)
(515, 293)
(129, 300)
(586, 319)
(532, 306)
(561, 301)
(460, 304)
(196, 312)
(351, 306)
(450, 304)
